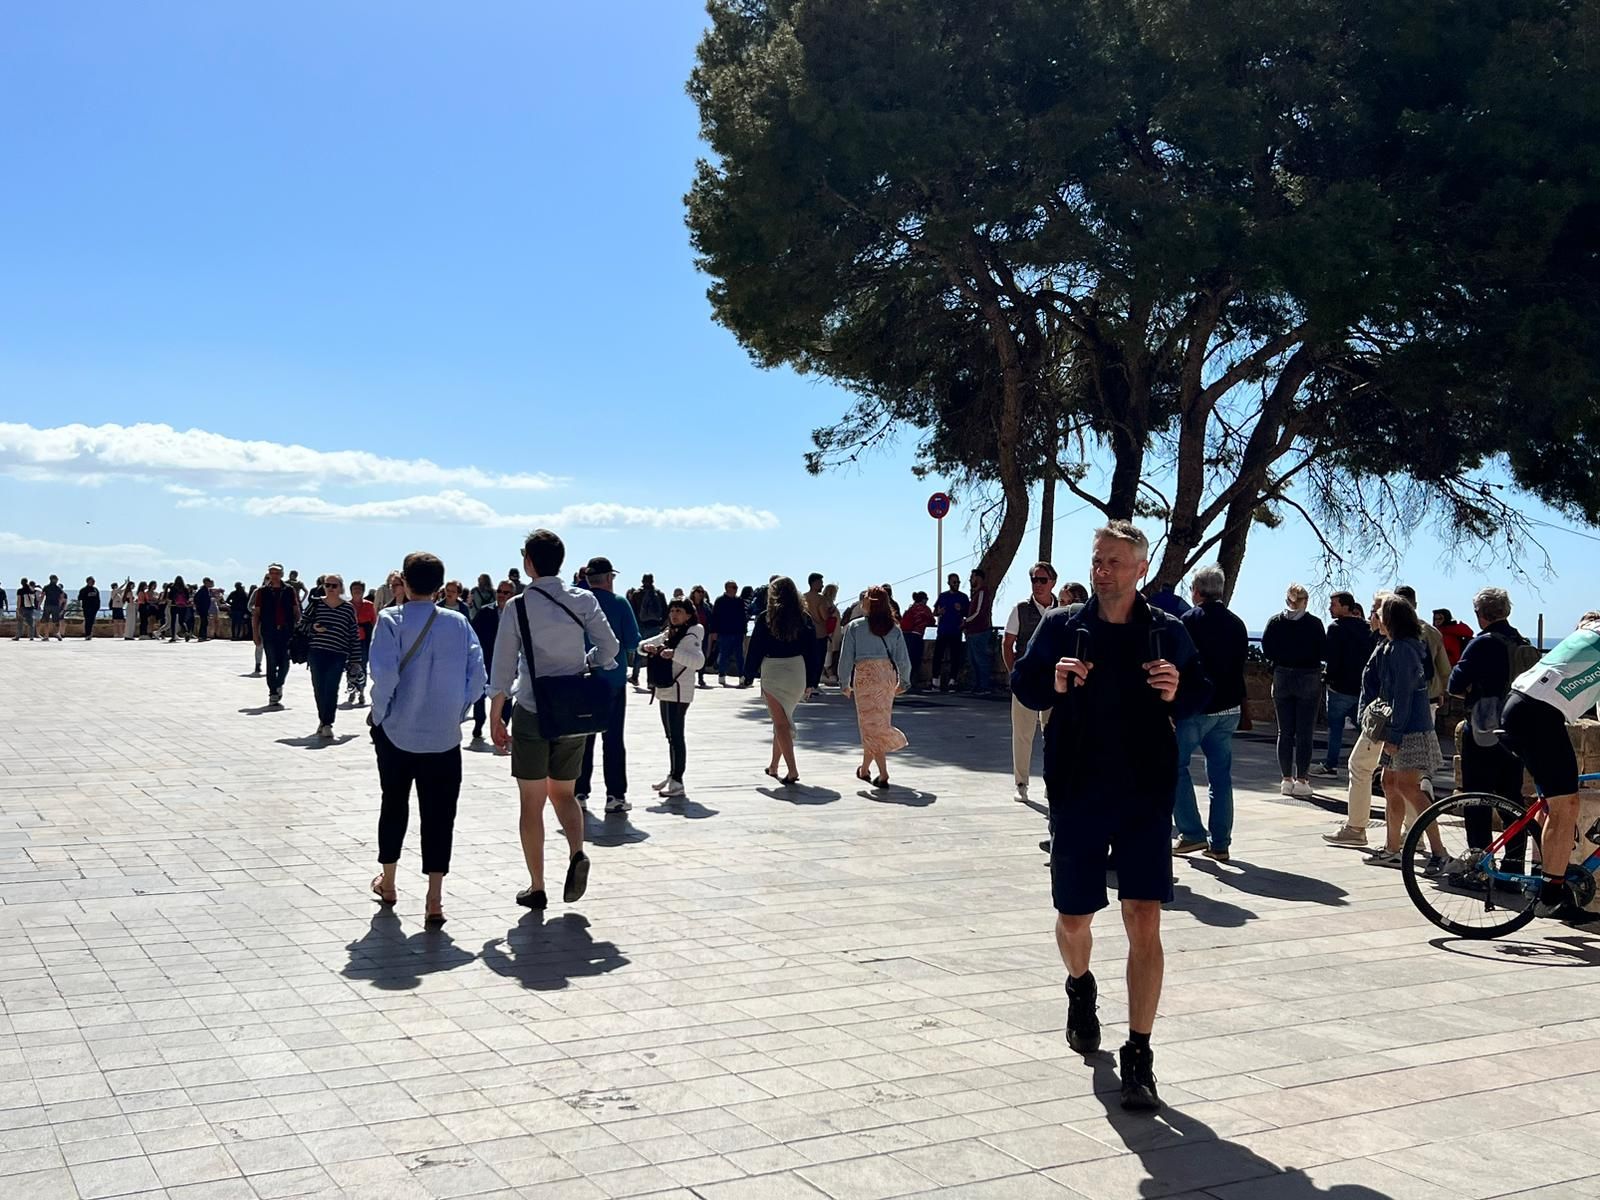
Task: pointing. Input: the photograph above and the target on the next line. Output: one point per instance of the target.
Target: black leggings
(438, 780)
(1536, 733)
(672, 718)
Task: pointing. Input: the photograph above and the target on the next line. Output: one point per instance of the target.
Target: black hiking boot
(1138, 1079)
(1083, 1026)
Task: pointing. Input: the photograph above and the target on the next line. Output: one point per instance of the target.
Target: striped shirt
(339, 632)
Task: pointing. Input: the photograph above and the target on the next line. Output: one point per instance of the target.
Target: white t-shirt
(1014, 621)
(1568, 677)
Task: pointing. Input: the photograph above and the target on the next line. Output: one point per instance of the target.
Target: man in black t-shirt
(1113, 675)
(89, 602)
(55, 606)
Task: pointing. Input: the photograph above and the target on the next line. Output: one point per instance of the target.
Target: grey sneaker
(617, 804)
(1436, 863)
(1325, 771)
(1386, 858)
(1346, 835)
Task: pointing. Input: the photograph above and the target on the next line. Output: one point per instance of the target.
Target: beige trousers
(1364, 756)
(1025, 724)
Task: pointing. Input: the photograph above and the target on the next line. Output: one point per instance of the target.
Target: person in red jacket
(1456, 634)
(914, 624)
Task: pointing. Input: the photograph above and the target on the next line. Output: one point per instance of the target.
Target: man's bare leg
(1075, 941)
(1146, 962)
(531, 828)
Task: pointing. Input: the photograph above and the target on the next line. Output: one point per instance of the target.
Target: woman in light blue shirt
(427, 669)
(875, 667)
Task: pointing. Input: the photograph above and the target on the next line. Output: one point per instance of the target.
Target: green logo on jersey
(1572, 688)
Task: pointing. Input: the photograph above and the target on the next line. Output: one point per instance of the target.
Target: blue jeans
(615, 765)
(730, 649)
(1341, 708)
(980, 657)
(327, 668)
(1212, 735)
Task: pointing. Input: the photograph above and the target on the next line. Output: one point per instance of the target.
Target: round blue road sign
(938, 506)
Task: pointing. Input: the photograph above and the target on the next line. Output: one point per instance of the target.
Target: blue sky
(421, 233)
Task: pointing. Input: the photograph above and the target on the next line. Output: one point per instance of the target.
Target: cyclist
(1564, 686)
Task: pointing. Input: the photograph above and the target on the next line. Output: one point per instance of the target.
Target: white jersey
(1568, 677)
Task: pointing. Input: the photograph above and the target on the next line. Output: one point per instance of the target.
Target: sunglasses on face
(1044, 579)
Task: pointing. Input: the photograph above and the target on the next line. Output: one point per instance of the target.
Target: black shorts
(1143, 846)
(1536, 733)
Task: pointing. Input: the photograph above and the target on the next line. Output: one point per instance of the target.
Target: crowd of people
(1124, 684)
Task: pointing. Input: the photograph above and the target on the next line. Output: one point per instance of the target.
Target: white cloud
(458, 508)
(194, 457)
(38, 558)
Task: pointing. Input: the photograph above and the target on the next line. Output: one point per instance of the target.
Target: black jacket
(1110, 743)
(1348, 647)
(1223, 642)
(1485, 667)
(1296, 643)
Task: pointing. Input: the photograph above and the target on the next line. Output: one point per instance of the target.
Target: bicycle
(1477, 894)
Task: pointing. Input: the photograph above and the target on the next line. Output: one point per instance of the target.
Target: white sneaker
(617, 804)
(1022, 793)
(1427, 787)
(1286, 788)
(673, 788)
(1301, 788)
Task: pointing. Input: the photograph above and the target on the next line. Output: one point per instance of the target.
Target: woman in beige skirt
(875, 667)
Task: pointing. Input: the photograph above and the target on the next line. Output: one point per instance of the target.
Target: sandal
(881, 782)
(864, 775)
(771, 771)
(789, 780)
(434, 919)
(377, 890)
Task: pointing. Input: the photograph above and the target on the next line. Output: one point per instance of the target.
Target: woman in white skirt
(782, 655)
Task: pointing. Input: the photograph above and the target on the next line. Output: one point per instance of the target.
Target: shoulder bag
(300, 637)
(568, 705)
(407, 657)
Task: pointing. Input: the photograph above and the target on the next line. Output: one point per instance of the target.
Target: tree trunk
(1047, 517)
(1230, 551)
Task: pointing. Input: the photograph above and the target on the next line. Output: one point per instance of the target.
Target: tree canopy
(1332, 257)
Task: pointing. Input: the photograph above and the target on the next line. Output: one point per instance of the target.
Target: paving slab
(824, 990)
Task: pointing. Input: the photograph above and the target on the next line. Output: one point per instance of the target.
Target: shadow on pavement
(256, 712)
(1219, 914)
(799, 793)
(689, 809)
(1182, 1154)
(895, 794)
(315, 743)
(1264, 881)
(547, 955)
(610, 829)
(1570, 951)
(390, 961)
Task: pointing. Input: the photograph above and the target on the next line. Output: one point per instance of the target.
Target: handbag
(1375, 720)
(407, 657)
(300, 637)
(568, 705)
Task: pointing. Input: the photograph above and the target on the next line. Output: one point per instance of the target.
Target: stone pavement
(768, 992)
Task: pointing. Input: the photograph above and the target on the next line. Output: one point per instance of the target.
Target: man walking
(274, 610)
(601, 578)
(950, 609)
(1222, 641)
(649, 613)
(1021, 624)
(205, 600)
(728, 622)
(979, 631)
(89, 605)
(1347, 648)
(558, 621)
(1115, 675)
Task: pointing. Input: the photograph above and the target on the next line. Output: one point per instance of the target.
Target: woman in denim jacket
(1411, 746)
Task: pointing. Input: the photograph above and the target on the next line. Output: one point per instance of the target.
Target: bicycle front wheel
(1461, 897)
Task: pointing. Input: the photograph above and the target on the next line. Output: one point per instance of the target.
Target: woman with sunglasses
(335, 645)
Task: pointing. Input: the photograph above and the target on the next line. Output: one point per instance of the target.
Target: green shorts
(535, 757)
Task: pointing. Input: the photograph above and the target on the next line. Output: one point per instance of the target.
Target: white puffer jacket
(688, 656)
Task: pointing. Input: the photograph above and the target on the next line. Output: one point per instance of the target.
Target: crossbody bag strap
(417, 645)
(576, 619)
(527, 637)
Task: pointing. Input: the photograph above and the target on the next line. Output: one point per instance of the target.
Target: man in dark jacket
(1222, 640)
(1485, 672)
(728, 622)
(1347, 647)
(1113, 675)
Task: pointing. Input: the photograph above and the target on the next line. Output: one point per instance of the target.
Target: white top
(688, 656)
(1014, 621)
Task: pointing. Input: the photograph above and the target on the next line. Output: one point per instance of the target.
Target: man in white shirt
(1024, 618)
(558, 618)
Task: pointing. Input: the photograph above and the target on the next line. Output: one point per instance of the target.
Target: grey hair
(1126, 532)
(1492, 604)
(1211, 582)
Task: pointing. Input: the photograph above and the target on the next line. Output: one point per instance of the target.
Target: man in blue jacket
(601, 579)
(1114, 674)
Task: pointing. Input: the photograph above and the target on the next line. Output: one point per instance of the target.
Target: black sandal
(864, 775)
(434, 919)
(881, 782)
(577, 878)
